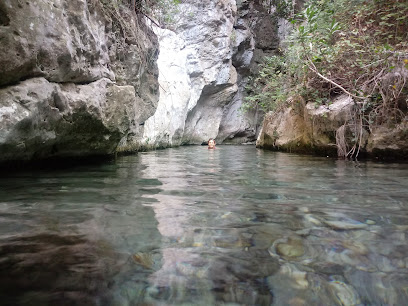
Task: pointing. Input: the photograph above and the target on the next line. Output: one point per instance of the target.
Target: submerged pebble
(356, 247)
(313, 220)
(343, 293)
(291, 247)
(143, 259)
(345, 225)
(296, 302)
(299, 277)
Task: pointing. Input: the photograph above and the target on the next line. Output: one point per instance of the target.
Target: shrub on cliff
(160, 12)
(357, 47)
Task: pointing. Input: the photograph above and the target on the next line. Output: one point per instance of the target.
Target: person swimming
(211, 143)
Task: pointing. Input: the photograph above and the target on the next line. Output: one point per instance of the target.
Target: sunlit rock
(166, 126)
(312, 128)
(204, 63)
(286, 129)
(304, 127)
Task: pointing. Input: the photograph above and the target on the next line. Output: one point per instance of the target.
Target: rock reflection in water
(282, 230)
(45, 269)
(191, 226)
(69, 237)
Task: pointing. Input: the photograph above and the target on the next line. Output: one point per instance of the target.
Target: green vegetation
(356, 47)
(163, 11)
(339, 46)
(127, 21)
(160, 12)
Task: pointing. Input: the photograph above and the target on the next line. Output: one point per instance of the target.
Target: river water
(191, 226)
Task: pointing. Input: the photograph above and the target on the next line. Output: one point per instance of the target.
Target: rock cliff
(77, 78)
(204, 64)
(81, 77)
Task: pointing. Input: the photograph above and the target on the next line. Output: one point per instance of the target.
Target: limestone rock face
(54, 39)
(310, 129)
(80, 52)
(204, 64)
(196, 74)
(166, 127)
(285, 129)
(40, 119)
(389, 140)
(305, 127)
(71, 83)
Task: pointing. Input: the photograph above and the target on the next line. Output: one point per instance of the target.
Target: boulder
(316, 129)
(285, 130)
(389, 141)
(40, 119)
(306, 128)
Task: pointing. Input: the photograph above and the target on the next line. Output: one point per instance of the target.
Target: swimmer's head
(211, 143)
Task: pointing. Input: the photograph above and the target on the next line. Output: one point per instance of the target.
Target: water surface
(191, 226)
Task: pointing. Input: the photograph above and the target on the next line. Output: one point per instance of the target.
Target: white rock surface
(199, 81)
(166, 127)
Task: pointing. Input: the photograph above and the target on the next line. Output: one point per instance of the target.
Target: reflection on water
(191, 226)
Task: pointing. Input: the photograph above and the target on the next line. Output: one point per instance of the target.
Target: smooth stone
(296, 302)
(313, 220)
(356, 247)
(345, 225)
(300, 277)
(303, 232)
(304, 209)
(293, 248)
(402, 227)
(143, 259)
(343, 293)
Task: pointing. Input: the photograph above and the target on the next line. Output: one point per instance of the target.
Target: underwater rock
(296, 302)
(343, 293)
(289, 248)
(348, 224)
(299, 277)
(356, 247)
(143, 259)
(313, 220)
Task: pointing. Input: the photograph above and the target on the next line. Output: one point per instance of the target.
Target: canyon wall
(75, 80)
(204, 63)
(89, 77)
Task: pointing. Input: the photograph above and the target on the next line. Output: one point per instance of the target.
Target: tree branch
(314, 69)
(148, 17)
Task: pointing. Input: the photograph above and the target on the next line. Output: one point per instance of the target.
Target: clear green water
(191, 226)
